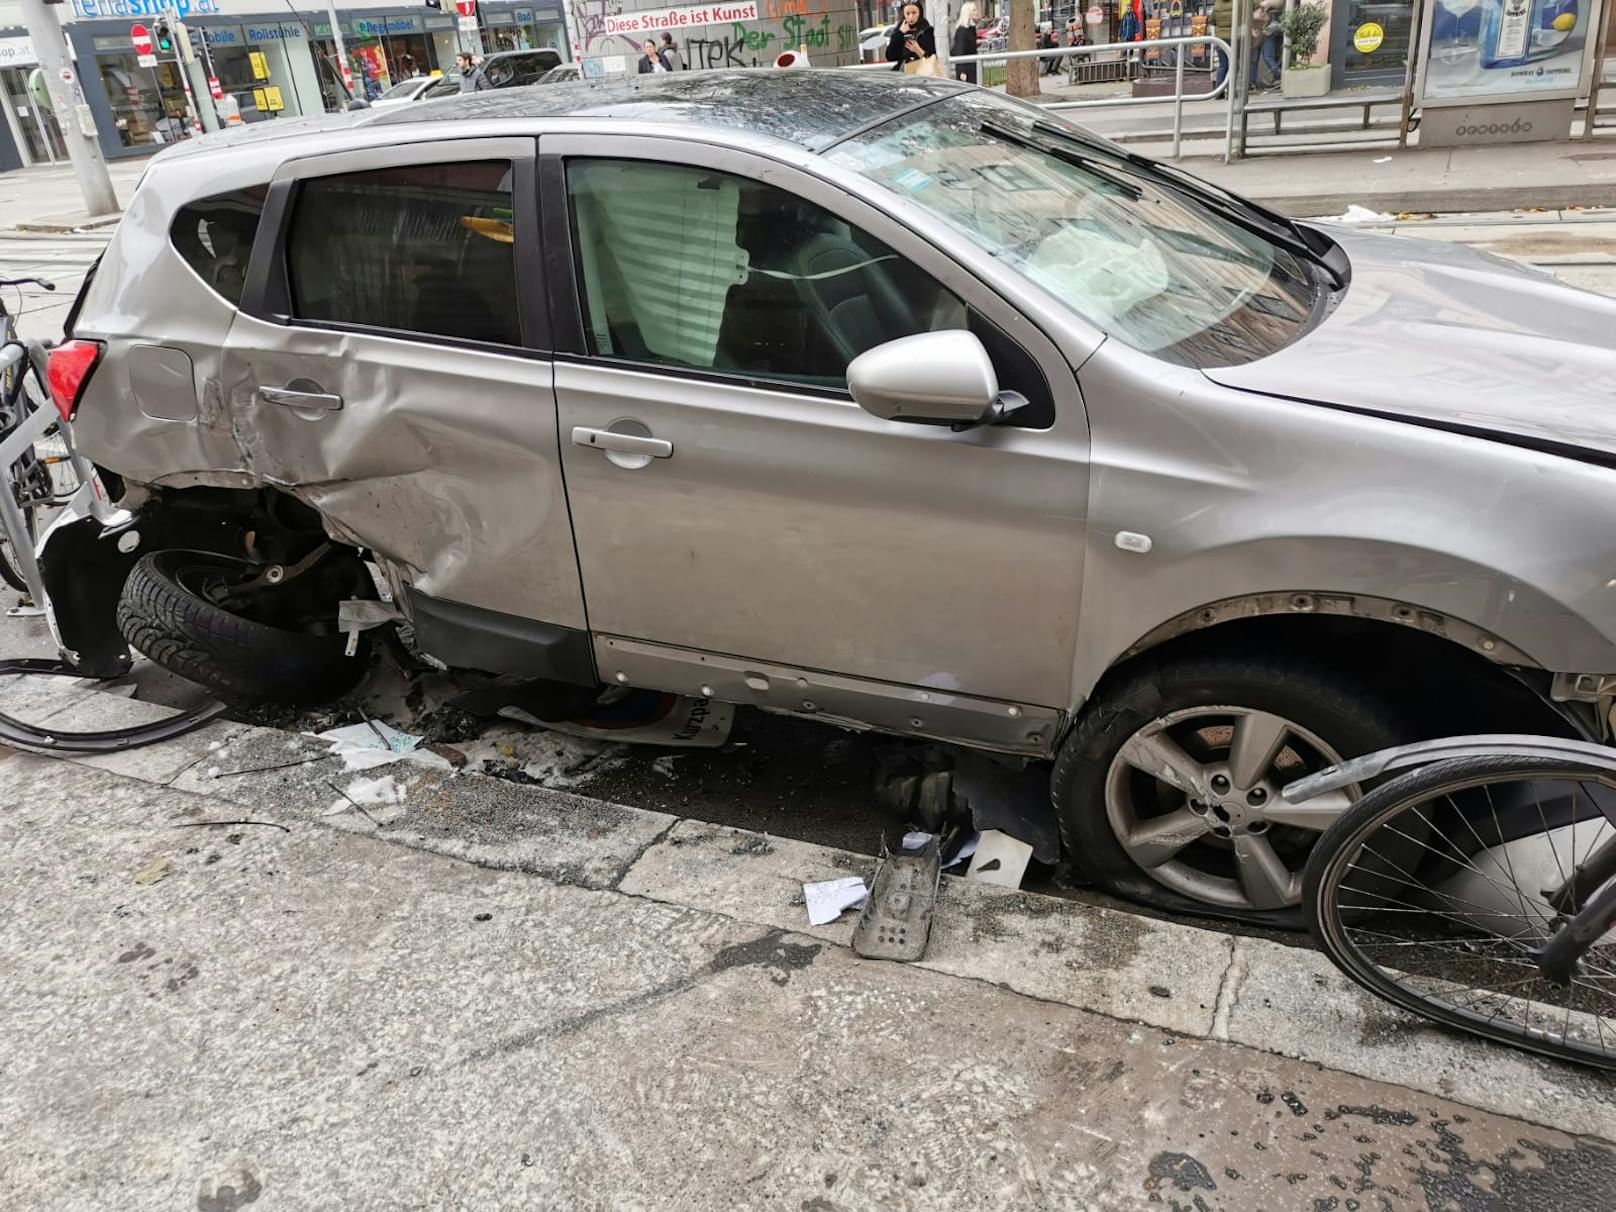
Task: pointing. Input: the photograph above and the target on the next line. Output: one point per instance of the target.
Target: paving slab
(308, 1018)
(1114, 963)
(1202, 983)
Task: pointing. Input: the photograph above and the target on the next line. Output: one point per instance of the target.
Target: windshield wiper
(1075, 158)
(1242, 212)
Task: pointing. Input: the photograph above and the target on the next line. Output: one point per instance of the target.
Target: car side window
(687, 267)
(215, 236)
(427, 248)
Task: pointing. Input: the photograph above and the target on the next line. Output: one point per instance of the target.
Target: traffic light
(437, 4)
(163, 37)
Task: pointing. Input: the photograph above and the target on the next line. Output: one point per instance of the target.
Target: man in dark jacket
(472, 77)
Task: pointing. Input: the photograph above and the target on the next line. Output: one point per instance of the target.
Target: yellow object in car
(493, 229)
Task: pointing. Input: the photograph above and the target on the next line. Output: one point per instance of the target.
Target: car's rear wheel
(1168, 787)
(211, 620)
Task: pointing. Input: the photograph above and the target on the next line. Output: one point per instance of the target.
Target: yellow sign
(260, 65)
(268, 98)
(1366, 39)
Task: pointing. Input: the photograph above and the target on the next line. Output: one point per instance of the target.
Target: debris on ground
(1359, 214)
(896, 922)
(644, 718)
(827, 900)
(999, 859)
(160, 870)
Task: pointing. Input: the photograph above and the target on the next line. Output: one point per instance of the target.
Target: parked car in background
(513, 69)
(701, 383)
(419, 88)
(564, 74)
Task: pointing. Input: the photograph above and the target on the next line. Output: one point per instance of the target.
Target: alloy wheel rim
(1193, 798)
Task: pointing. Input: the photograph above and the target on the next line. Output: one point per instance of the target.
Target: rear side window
(215, 236)
(424, 249)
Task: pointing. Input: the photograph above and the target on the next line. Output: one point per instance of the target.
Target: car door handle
(623, 443)
(300, 399)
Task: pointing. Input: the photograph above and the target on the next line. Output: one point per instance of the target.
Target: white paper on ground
(967, 848)
(365, 736)
(1359, 214)
(914, 840)
(827, 900)
(999, 859)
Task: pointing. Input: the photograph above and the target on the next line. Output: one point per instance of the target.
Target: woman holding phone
(913, 41)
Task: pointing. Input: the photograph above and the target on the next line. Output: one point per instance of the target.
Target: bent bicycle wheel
(1438, 888)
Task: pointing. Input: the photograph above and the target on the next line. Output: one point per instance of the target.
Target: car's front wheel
(1168, 787)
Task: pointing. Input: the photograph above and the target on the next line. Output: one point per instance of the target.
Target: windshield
(402, 90)
(1158, 270)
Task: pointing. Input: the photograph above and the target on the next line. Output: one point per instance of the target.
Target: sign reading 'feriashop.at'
(655, 19)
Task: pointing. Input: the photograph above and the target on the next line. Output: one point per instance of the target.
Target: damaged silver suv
(882, 401)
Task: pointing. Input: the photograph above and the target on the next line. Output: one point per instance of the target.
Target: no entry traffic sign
(466, 8)
(142, 39)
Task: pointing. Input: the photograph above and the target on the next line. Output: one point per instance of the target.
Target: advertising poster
(1507, 48)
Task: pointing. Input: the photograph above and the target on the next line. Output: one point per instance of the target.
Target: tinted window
(215, 237)
(425, 249)
(700, 269)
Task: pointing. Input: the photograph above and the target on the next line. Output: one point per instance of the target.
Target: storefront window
(265, 68)
(148, 103)
(386, 50)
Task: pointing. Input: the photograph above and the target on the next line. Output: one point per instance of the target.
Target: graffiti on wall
(757, 45)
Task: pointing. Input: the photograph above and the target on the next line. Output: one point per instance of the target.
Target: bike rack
(19, 732)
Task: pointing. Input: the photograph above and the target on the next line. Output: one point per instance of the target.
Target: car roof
(812, 109)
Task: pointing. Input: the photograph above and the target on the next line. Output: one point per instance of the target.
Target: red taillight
(68, 368)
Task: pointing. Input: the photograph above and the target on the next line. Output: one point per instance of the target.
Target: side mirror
(933, 378)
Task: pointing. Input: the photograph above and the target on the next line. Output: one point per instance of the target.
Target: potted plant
(1302, 77)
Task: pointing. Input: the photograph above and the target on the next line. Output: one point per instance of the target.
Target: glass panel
(701, 269)
(1152, 266)
(1385, 56)
(426, 249)
(148, 103)
(215, 237)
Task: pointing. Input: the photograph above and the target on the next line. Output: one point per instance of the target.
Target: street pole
(343, 74)
(1602, 41)
(71, 111)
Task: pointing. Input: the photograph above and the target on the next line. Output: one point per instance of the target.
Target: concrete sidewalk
(1550, 176)
(403, 987)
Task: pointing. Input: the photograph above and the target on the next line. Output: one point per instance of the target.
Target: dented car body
(577, 449)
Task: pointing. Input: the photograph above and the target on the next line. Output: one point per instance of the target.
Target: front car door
(391, 368)
(758, 534)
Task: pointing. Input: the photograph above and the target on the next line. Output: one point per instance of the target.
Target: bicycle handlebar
(28, 282)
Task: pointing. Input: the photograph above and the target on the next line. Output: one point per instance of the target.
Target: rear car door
(772, 538)
(391, 368)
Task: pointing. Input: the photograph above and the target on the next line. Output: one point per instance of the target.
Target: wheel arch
(1449, 676)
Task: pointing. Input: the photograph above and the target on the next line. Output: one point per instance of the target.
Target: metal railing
(1130, 50)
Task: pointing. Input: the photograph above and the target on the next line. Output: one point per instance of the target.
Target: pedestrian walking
(912, 48)
(653, 60)
(472, 77)
(1270, 37)
(670, 52)
(964, 41)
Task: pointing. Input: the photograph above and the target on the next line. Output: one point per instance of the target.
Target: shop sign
(1520, 49)
(653, 20)
(501, 19)
(91, 10)
(268, 100)
(259, 65)
(1366, 39)
(375, 27)
(524, 16)
(17, 52)
(272, 33)
(222, 35)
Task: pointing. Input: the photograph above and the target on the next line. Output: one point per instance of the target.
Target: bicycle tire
(10, 569)
(1345, 841)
